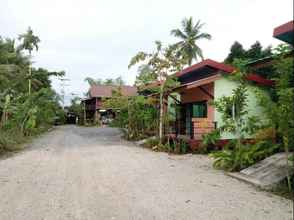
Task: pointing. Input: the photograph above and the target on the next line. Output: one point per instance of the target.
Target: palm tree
(29, 42)
(189, 35)
(93, 82)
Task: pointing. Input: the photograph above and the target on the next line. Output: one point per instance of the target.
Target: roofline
(284, 28)
(224, 68)
(207, 62)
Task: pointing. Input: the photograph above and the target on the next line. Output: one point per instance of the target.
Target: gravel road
(91, 173)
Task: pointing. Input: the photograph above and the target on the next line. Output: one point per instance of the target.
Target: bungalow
(206, 81)
(93, 108)
(201, 83)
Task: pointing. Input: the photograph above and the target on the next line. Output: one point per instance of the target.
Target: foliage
(170, 145)
(107, 82)
(29, 112)
(151, 142)
(10, 140)
(29, 41)
(189, 35)
(163, 62)
(24, 114)
(255, 52)
(77, 109)
(209, 141)
(285, 104)
(279, 108)
(236, 52)
(136, 114)
(233, 110)
(145, 76)
(235, 158)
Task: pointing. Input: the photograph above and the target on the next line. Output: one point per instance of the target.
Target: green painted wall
(224, 87)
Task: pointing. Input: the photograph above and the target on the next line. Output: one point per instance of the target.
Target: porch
(194, 114)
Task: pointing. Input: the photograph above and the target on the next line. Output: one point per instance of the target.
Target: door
(194, 110)
(188, 122)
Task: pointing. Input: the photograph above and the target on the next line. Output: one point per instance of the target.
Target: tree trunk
(4, 117)
(30, 77)
(161, 115)
(85, 112)
(286, 146)
(129, 120)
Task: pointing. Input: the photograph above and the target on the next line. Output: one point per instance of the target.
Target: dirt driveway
(90, 173)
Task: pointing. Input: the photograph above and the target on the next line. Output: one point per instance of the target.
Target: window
(199, 110)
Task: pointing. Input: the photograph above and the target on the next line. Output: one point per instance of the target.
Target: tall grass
(11, 140)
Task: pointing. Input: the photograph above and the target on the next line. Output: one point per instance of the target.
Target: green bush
(183, 146)
(209, 141)
(151, 142)
(137, 114)
(237, 157)
(10, 140)
(169, 145)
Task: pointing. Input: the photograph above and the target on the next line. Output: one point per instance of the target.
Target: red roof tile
(225, 68)
(208, 62)
(287, 27)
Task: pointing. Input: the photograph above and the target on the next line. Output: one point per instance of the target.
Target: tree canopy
(256, 51)
(107, 82)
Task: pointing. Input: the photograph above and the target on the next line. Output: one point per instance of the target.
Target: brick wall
(202, 126)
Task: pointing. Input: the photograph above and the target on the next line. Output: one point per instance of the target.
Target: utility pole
(63, 85)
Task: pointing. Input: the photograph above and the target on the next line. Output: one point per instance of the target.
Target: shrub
(209, 141)
(10, 140)
(236, 157)
(151, 142)
(177, 146)
(266, 134)
(183, 146)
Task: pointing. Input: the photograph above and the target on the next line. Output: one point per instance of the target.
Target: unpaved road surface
(90, 173)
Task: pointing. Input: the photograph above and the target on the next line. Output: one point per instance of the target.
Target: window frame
(204, 102)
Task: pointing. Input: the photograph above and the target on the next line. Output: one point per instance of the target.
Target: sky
(97, 38)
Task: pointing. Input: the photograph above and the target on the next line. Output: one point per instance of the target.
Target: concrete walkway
(267, 173)
(90, 173)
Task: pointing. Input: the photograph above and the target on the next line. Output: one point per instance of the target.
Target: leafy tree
(137, 114)
(21, 113)
(236, 52)
(93, 82)
(145, 76)
(29, 42)
(163, 62)
(255, 52)
(234, 113)
(41, 78)
(190, 34)
(108, 82)
(119, 81)
(76, 108)
(280, 111)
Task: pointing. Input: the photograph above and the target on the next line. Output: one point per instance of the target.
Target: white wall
(224, 87)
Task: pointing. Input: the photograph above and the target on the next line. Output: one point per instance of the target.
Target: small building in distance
(94, 111)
